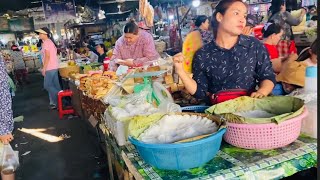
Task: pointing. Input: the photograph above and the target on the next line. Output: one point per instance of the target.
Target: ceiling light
(196, 3)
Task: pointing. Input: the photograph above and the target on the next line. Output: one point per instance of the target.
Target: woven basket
(64, 72)
(264, 136)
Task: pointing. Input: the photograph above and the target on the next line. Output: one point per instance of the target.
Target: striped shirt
(141, 51)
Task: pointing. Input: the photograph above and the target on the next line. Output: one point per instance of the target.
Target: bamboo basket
(64, 72)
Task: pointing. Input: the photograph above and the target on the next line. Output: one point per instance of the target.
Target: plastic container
(106, 63)
(180, 156)
(278, 90)
(311, 79)
(264, 136)
(196, 109)
(309, 123)
(119, 129)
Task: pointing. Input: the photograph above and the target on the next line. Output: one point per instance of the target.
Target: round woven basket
(264, 136)
(64, 72)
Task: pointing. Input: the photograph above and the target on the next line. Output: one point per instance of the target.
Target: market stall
(152, 128)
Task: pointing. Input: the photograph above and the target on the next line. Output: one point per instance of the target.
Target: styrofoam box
(119, 129)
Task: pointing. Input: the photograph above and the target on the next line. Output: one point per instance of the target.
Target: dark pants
(21, 75)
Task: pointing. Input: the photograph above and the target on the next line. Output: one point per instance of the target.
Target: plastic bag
(167, 107)
(10, 160)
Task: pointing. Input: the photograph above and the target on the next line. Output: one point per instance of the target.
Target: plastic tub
(180, 156)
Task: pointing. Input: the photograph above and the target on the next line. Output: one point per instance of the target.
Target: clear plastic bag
(167, 107)
(10, 160)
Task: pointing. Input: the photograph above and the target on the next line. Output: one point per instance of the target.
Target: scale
(159, 92)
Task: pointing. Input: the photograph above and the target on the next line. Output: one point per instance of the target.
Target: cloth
(237, 68)
(233, 163)
(302, 26)
(282, 108)
(93, 57)
(285, 20)
(17, 58)
(51, 84)
(272, 50)
(191, 45)
(6, 115)
(285, 48)
(141, 51)
(306, 3)
(48, 45)
(293, 73)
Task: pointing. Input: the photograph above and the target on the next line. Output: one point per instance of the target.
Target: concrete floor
(78, 157)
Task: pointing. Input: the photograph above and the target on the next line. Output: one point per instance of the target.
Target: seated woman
(292, 75)
(231, 60)
(272, 34)
(100, 50)
(133, 48)
(309, 55)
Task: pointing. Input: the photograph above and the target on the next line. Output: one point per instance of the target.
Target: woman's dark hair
(314, 46)
(39, 43)
(103, 47)
(221, 8)
(272, 28)
(304, 54)
(276, 6)
(200, 19)
(131, 27)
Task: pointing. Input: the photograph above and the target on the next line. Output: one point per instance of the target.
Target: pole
(180, 23)
(179, 28)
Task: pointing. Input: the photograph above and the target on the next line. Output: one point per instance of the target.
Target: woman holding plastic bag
(6, 124)
(231, 60)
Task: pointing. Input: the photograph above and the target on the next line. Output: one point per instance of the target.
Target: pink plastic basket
(264, 136)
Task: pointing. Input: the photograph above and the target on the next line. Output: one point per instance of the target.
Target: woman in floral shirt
(6, 118)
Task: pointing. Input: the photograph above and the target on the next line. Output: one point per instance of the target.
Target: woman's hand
(257, 95)
(5, 139)
(127, 62)
(43, 72)
(177, 60)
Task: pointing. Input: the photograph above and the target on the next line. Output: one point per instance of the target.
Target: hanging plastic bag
(10, 160)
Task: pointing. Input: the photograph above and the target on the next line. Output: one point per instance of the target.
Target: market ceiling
(15, 5)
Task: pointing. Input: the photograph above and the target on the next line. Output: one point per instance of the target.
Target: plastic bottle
(311, 79)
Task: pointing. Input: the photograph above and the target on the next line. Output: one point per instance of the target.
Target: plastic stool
(69, 109)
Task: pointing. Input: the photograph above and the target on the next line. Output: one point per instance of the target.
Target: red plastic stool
(69, 109)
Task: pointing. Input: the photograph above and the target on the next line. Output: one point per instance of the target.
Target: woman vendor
(133, 48)
(231, 60)
(99, 50)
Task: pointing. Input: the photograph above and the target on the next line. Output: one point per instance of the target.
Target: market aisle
(72, 158)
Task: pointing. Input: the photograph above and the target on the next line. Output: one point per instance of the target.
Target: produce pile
(97, 85)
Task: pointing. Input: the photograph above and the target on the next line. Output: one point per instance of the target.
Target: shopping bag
(10, 160)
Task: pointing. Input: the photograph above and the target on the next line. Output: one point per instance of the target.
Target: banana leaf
(284, 107)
